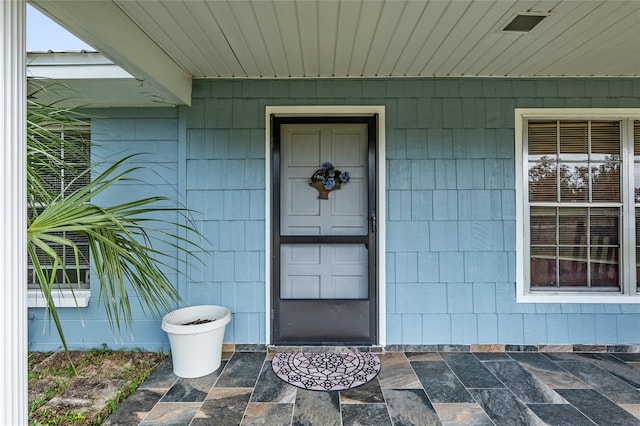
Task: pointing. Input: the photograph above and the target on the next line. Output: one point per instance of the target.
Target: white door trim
(328, 111)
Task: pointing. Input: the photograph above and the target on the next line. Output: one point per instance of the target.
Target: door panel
(345, 212)
(341, 322)
(324, 280)
(324, 271)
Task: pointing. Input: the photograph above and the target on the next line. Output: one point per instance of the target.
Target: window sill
(548, 297)
(61, 298)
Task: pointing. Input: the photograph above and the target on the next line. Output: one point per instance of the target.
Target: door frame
(329, 111)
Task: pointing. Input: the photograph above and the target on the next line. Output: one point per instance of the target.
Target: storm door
(324, 250)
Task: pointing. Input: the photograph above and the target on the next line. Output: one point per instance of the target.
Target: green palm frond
(122, 238)
(44, 145)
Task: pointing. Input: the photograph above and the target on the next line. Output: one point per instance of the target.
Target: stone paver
(426, 388)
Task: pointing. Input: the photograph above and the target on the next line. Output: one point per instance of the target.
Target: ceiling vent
(525, 21)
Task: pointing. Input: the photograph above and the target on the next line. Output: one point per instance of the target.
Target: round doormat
(326, 371)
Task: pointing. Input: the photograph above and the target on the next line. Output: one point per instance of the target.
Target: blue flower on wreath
(329, 183)
(330, 177)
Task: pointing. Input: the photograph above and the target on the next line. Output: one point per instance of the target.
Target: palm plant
(121, 238)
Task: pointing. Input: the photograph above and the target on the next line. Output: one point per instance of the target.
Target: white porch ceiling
(168, 42)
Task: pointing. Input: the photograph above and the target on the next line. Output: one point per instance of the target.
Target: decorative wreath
(330, 177)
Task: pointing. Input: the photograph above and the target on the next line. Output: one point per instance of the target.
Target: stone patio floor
(412, 388)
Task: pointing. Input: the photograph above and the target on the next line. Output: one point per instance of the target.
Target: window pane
(543, 267)
(573, 266)
(605, 140)
(605, 226)
(542, 226)
(574, 182)
(52, 183)
(604, 266)
(606, 181)
(604, 230)
(543, 181)
(542, 138)
(572, 223)
(574, 140)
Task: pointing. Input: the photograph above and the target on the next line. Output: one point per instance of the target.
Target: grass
(84, 387)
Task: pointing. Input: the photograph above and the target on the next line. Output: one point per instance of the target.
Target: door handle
(373, 222)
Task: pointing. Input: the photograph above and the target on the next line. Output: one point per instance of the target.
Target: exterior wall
(450, 205)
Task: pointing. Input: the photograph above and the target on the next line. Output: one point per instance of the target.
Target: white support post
(13, 294)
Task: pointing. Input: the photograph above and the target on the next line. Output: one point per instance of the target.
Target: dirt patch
(84, 395)
(43, 388)
(84, 387)
(118, 365)
(58, 361)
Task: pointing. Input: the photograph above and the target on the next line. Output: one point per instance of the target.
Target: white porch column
(13, 294)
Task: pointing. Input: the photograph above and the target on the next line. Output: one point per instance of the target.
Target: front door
(324, 275)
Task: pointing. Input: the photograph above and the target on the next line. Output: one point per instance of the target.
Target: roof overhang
(121, 40)
(87, 79)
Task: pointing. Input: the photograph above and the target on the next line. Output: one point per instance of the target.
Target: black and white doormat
(326, 371)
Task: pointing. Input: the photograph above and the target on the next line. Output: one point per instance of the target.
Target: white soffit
(72, 65)
(87, 79)
(169, 41)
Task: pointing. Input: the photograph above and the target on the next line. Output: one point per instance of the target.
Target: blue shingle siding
(487, 328)
(450, 205)
(225, 164)
(436, 329)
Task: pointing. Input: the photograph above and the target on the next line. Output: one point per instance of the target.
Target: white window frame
(62, 298)
(628, 293)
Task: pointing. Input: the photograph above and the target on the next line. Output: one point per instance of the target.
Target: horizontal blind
(75, 152)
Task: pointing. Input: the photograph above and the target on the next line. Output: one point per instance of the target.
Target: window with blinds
(76, 155)
(575, 206)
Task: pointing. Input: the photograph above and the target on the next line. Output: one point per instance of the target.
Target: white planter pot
(196, 350)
